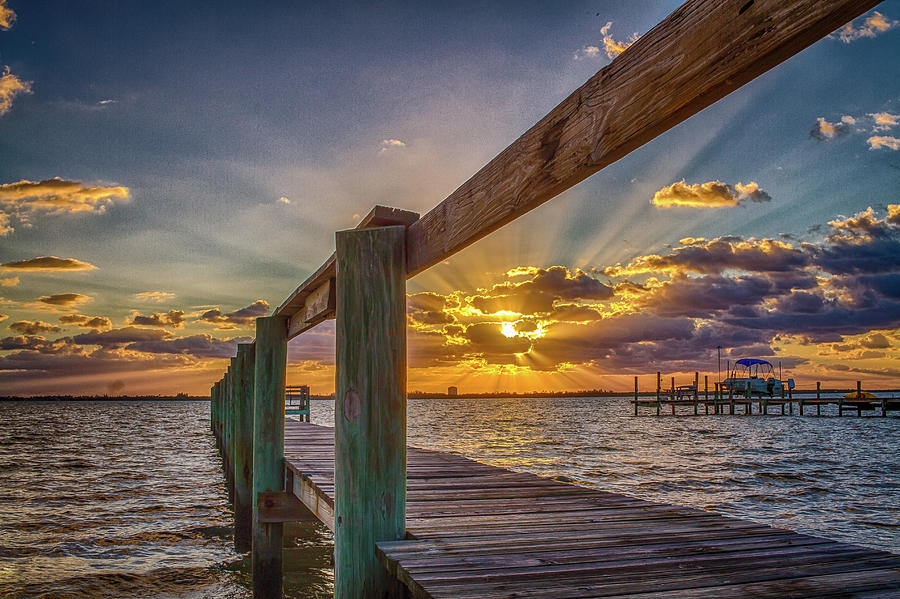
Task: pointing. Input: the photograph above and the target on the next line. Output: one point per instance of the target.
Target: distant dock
(689, 399)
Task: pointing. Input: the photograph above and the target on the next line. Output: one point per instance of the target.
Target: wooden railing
(700, 53)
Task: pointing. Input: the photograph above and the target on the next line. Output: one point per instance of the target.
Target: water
(120, 499)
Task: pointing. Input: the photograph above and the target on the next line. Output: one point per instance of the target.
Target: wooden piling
(635, 396)
(243, 448)
(268, 451)
(658, 390)
(229, 431)
(370, 408)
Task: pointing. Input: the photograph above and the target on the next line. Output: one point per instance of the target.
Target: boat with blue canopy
(756, 375)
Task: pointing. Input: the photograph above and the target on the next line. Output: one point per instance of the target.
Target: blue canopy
(751, 361)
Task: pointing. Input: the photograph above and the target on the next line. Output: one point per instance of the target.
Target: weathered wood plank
(317, 307)
(278, 506)
(700, 53)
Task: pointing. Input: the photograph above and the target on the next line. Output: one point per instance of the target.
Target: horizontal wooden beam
(317, 502)
(703, 51)
(282, 507)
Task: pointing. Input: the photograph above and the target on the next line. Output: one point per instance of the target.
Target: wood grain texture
(278, 506)
(476, 531)
(299, 306)
(370, 407)
(268, 450)
(700, 53)
(243, 447)
(317, 307)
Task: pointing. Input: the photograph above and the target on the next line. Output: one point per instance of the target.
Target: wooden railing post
(268, 450)
(243, 448)
(369, 408)
(229, 432)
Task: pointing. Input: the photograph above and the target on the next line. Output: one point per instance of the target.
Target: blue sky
(209, 116)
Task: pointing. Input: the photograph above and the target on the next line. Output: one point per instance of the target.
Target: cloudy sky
(169, 172)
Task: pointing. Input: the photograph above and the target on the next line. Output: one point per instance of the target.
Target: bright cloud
(824, 130)
(57, 196)
(611, 46)
(885, 120)
(712, 194)
(7, 16)
(883, 141)
(10, 87)
(48, 263)
(9, 281)
(154, 296)
(391, 144)
(86, 322)
(869, 26)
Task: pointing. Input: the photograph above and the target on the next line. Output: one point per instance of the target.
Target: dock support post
(268, 451)
(369, 408)
(818, 398)
(243, 454)
(658, 389)
(229, 432)
(706, 393)
(635, 396)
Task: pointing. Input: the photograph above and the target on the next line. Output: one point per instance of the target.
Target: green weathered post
(268, 450)
(635, 396)
(243, 454)
(370, 408)
(232, 400)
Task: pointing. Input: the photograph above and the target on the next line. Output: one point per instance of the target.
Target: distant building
(452, 391)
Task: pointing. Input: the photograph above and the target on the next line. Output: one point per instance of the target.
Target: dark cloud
(243, 316)
(427, 308)
(86, 322)
(172, 318)
(64, 300)
(33, 327)
(48, 263)
(120, 337)
(200, 346)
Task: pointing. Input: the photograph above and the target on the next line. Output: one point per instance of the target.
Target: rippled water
(120, 499)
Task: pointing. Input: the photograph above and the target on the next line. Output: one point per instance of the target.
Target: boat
(758, 375)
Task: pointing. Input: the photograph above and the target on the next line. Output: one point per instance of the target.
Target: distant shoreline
(410, 395)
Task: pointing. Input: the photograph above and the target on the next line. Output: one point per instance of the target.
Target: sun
(509, 329)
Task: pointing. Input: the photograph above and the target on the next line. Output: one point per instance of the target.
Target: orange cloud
(56, 196)
(883, 141)
(154, 296)
(870, 26)
(48, 263)
(242, 317)
(9, 281)
(712, 194)
(10, 87)
(7, 16)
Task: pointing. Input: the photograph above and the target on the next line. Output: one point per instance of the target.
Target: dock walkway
(475, 530)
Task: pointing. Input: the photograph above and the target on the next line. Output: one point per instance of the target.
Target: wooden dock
(546, 538)
(479, 531)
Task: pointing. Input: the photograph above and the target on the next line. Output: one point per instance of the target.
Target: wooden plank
(278, 506)
(370, 408)
(317, 307)
(379, 216)
(700, 53)
(317, 502)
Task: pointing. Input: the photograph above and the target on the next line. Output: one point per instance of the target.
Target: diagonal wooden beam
(700, 53)
(697, 55)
